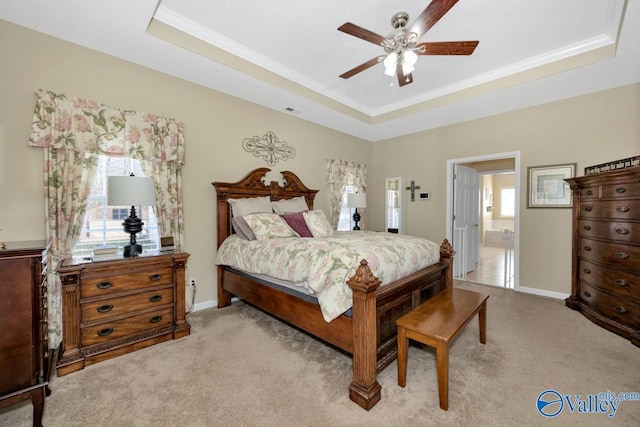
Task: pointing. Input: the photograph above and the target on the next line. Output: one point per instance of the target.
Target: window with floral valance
(73, 132)
(343, 174)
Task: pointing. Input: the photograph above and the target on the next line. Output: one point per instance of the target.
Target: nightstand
(117, 306)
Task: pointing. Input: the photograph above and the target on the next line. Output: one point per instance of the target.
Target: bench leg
(403, 344)
(442, 361)
(482, 320)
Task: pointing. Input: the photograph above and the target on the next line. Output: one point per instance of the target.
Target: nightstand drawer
(107, 331)
(612, 254)
(623, 310)
(103, 309)
(615, 209)
(127, 281)
(624, 284)
(614, 230)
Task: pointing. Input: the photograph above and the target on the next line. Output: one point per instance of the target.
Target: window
(507, 201)
(345, 223)
(102, 224)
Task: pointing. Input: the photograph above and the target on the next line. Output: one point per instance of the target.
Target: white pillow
(317, 223)
(285, 206)
(242, 207)
(268, 225)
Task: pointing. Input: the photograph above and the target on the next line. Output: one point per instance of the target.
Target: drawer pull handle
(155, 277)
(587, 271)
(623, 209)
(105, 332)
(588, 208)
(587, 227)
(587, 248)
(620, 190)
(621, 282)
(104, 285)
(589, 193)
(587, 294)
(155, 298)
(105, 308)
(620, 309)
(155, 319)
(622, 231)
(622, 255)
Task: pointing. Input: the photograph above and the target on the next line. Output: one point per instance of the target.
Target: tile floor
(491, 267)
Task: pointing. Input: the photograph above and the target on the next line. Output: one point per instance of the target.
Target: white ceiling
(288, 53)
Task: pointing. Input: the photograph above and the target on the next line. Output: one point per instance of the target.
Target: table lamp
(131, 191)
(356, 200)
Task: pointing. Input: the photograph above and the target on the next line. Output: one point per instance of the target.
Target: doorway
(481, 224)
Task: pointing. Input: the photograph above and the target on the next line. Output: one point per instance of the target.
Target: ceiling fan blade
(432, 14)
(402, 78)
(448, 48)
(361, 33)
(370, 63)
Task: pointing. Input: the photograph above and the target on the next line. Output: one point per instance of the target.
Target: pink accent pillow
(297, 223)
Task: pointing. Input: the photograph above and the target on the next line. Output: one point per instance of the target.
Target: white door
(466, 217)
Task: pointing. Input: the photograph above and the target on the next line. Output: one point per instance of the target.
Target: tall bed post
(364, 389)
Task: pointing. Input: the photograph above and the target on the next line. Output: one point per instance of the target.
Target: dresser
(606, 250)
(118, 306)
(25, 360)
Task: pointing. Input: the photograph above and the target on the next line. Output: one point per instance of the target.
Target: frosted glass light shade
(130, 191)
(357, 200)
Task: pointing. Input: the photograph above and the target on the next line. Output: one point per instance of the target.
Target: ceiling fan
(401, 45)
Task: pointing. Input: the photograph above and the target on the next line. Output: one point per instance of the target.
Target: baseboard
(542, 292)
(204, 305)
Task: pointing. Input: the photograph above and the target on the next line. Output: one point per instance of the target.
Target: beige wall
(215, 125)
(586, 130)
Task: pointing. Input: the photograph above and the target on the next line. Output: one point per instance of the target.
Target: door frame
(449, 208)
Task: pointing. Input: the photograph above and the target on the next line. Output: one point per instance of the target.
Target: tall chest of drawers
(25, 359)
(115, 307)
(606, 250)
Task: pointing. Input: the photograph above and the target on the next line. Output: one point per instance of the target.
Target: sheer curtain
(73, 132)
(340, 174)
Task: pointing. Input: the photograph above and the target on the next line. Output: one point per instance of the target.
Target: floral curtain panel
(340, 174)
(73, 132)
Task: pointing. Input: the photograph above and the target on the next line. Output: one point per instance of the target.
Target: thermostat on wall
(424, 196)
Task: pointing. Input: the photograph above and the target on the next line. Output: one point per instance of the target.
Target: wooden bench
(436, 323)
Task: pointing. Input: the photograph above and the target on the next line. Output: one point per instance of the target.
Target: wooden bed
(369, 334)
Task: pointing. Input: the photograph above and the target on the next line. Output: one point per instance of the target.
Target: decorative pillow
(242, 207)
(297, 204)
(242, 229)
(296, 221)
(317, 223)
(268, 225)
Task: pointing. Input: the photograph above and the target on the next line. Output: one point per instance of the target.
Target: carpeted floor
(242, 367)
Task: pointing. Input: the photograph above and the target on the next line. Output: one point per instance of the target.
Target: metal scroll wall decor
(269, 147)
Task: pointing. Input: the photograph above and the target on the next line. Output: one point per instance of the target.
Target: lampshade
(131, 191)
(357, 200)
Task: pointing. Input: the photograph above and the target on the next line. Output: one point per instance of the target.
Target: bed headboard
(254, 185)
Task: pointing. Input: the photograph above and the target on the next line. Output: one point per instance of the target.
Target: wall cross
(413, 187)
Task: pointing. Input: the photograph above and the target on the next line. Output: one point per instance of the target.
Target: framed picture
(547, 188)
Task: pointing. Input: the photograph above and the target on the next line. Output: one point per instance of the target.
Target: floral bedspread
(323, 265)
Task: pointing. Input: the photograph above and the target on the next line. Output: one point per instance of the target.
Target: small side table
(436, 323)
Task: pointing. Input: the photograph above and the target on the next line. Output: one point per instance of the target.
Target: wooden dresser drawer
(614, 209)
(95, 285)
(592, 192)
(107, 331)
(611, 254)
(623, 310)
(626, 189)
(105, 308)
(614, 230)
(625, 284)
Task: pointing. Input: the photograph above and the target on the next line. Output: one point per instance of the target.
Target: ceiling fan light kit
(401, 45)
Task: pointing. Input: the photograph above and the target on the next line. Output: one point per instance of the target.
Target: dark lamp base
(131, 250)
